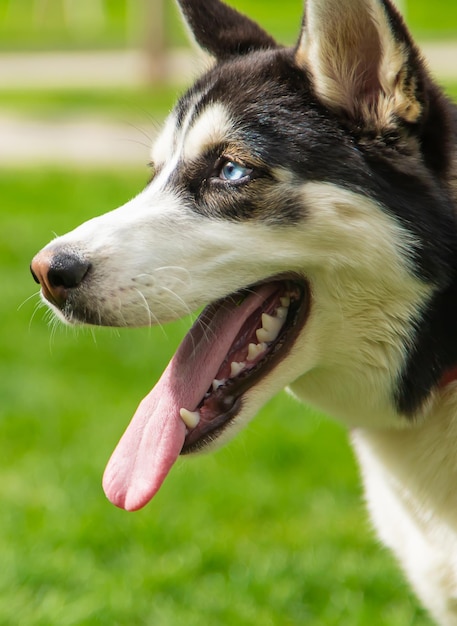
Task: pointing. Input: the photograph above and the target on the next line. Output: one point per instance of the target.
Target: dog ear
(362, 60)
(221, 30)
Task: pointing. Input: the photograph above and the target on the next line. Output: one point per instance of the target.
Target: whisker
(120, 313)
(34, 295)
(174, 268)
(142, 132)
(93, 335)
(207, 332)
(135, 141)
(146, 306)
(115, 332)
(186, 307)
(38, 305)
(53, 323)
(99, 314)
(153, 319)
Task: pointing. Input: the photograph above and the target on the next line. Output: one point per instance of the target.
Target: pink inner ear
(367, 82)
(342, 45)
(355, 57)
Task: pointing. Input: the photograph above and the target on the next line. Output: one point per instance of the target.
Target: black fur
(351, 109)
(282, 124)
(221, 30)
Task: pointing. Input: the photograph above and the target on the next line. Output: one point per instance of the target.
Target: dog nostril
(67, 271)
(58, 273)
(35, 277)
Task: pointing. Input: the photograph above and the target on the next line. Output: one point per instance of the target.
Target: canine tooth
(264, 336)
(285, 301)
(190, 418)
(270, 328)
(236, 368)
(271, 323)
(281, 312)
(217, 383)
(255, 350)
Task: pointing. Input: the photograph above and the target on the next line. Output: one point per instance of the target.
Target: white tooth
(281, 312)
(285, 301)
(236, 368)
(270, 328)
(217, 383)
(265, 336)
(271, 323)
(190, 418)
(255, 350)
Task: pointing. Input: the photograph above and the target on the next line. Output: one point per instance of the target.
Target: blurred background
(271, 530)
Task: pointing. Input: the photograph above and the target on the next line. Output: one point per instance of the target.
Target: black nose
(58, 272)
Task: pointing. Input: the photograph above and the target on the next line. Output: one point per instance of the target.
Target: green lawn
(37, 24)
(271, 530)
(114, 104)
(139, 106)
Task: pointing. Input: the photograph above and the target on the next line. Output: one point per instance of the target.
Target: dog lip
(228, 398)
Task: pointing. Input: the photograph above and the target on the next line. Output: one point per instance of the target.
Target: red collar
(449, 376)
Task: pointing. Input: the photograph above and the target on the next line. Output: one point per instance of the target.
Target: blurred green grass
(139, 111)
(271, 530)
(142, 106)
(121, 104)
(35, 24)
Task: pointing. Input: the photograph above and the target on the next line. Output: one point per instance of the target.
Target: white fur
(212, 127)
(409, 478)
(349, 250)
(155, 259)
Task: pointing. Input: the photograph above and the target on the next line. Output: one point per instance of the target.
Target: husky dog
(307, 196)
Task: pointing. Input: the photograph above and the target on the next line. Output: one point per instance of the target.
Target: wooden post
(147, 26)
(156, 44)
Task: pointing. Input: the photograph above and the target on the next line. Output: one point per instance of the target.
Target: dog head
(304, 193)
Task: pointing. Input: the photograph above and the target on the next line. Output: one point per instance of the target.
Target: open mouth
(234, 344)
(265, 337)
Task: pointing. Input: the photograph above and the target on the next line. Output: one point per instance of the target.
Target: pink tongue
(155, 436)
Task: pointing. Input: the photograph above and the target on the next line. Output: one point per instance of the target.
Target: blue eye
(234, 172)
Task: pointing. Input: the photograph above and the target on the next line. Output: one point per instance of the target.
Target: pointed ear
(362, 60)
(221, 30)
